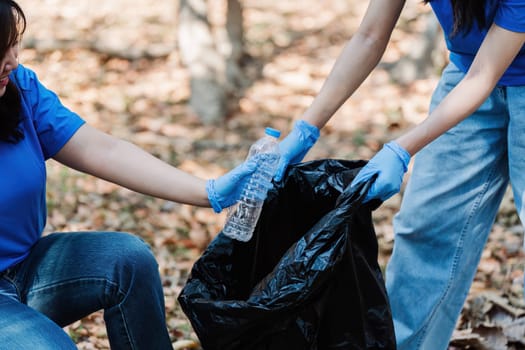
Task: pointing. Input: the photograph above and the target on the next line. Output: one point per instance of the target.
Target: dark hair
(12, 26)
(466, 13)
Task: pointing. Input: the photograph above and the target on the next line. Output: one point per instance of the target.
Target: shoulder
(511, 15)
(25, 78)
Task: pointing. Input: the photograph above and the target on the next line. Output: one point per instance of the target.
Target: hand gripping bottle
(242, 217)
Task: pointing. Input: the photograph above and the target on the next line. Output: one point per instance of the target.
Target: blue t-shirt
(508, 14)
(47, 125)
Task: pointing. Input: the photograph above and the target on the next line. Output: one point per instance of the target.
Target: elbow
(480, 82)
(372, 44)
(373, 39)
(482, 76)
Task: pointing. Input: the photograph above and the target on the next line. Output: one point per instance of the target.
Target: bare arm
(496, 53)
(358, 58)
(121, 162)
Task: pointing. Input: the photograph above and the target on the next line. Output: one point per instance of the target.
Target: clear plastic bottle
(243, 216)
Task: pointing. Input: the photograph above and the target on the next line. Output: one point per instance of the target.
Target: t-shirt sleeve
(54, 123)
(511, 15)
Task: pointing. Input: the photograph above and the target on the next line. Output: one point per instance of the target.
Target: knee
(135, 257)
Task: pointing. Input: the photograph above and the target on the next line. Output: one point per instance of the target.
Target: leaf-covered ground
(116, 64)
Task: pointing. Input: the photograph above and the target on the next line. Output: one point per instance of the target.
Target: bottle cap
(273, 132)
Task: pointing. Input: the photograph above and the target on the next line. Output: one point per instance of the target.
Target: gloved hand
(389, 166)
(295, 146)
(226, 190)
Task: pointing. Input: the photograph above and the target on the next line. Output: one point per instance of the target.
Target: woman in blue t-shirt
(468, 149)
(49, 282)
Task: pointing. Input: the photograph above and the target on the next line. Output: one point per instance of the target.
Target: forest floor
(116, 64)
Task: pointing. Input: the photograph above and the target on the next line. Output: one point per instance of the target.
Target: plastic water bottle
(243, 216)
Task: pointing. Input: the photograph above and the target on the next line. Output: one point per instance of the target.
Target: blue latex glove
(389, 166)
(295, 146)
(226, 190)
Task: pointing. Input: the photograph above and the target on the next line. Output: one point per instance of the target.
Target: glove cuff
(311, 132)
(400, 152)
(212, 196)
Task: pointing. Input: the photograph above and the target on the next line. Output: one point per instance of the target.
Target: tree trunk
(235, 39)
(427, 54)
(212, 56)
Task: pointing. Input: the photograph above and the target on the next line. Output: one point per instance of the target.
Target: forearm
(125, 164)
(494, 56)
(460, 103)
(358, 58)
(139, 171)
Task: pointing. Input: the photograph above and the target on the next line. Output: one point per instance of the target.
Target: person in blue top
(468, 149)
(47, 282)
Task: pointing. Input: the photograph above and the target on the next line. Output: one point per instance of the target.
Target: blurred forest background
(196, 82)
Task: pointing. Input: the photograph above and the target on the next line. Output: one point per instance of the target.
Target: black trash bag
(308, 279)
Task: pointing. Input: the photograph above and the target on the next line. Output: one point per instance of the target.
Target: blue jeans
(68, 276)
(448, 208)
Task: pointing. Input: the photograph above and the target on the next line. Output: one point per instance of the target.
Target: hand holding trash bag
(295, 146)
(388, 166)
(224, 191)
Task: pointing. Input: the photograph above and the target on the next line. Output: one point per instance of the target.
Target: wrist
(401, 153)
(310, 131)
(212, 196)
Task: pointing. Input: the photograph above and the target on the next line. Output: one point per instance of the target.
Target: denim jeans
(67, 276)
(448, 208)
